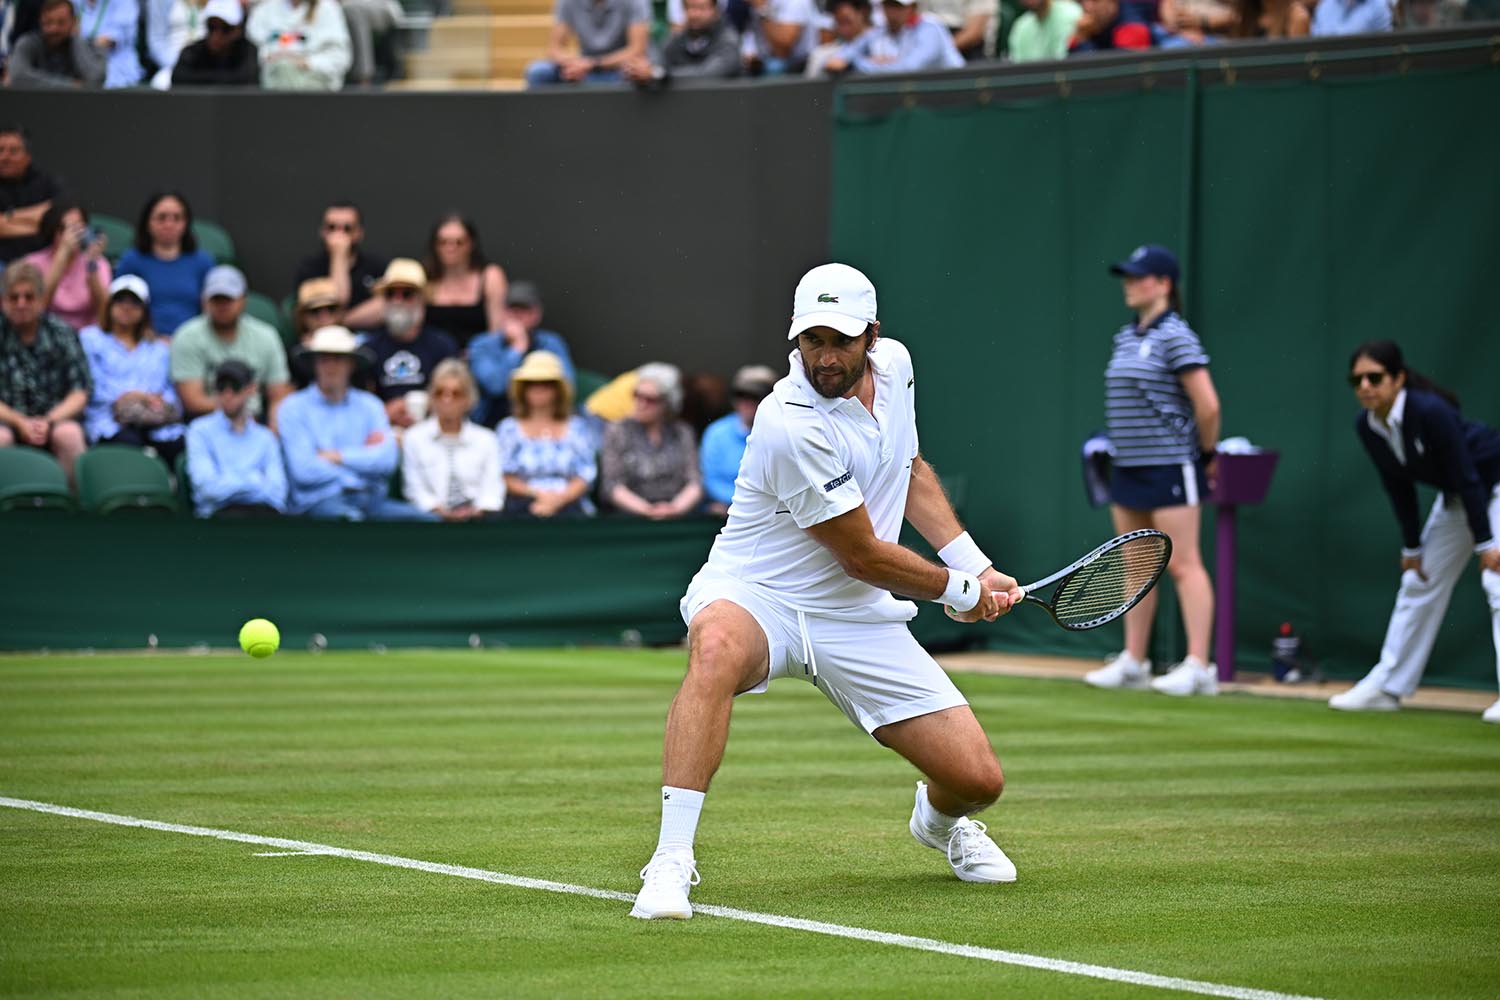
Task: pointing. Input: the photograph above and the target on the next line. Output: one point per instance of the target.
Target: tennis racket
(1104, 584)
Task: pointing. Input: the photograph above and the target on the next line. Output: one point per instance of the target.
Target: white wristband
(962, 553)
(1407, 553)
(963, 591)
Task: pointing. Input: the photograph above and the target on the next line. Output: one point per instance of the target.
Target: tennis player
(1413, 432)
(799, 584)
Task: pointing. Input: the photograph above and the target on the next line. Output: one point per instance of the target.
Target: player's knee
(981, 785)
(719, 656)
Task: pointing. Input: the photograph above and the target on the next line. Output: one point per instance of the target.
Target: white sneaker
(1366, 696)
(668, 876)
(1124, 671)
(972, 854)
(1492, 714)
(1191, 676)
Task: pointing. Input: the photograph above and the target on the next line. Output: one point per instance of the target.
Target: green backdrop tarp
(1311, 216)
(76, 582)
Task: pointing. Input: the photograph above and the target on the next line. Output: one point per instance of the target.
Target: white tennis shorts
(875, 672)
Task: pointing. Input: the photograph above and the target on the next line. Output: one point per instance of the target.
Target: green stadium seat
(287, 324)
(586, 383)
(118, 233)
(263, 308)
(214, 240)
(32, 480)
(184, 483)
(113, 478)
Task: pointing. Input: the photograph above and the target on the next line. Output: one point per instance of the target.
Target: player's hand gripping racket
(1104, 584)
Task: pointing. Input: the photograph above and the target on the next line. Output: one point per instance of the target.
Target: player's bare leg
(963, 777)
(727, 654)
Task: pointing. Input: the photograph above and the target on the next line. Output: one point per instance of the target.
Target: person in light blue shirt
(234, 464)
(134, 401)
(339, 447)
(1351, 17)
(494, 356)
(724, 440)
(912, 41)
(111, 26)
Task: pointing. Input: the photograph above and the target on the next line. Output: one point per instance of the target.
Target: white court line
(748, 916)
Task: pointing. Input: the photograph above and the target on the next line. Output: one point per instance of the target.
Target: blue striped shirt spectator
(118, 369)
(1150, 417)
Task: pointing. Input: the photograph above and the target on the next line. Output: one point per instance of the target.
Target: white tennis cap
(835, 295)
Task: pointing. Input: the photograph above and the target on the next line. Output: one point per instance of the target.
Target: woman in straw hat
(546, 452)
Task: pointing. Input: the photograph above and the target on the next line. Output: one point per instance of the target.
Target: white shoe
(1492, 714)
(1191, 676)
(972, 854)
(1124, 671)
(668, 876)
(1366, 696)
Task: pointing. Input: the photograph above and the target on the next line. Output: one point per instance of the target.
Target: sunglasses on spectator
(166, 216)
(217, 27)
(447, 392)
(338, 227)
(453, 241)
(314, 310)
(1375, 378)
(402, 294)
(22, 297)
(646, 397)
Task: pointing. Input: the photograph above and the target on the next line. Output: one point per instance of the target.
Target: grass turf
(1254, 842)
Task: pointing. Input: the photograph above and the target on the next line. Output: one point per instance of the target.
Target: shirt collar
(1141, 331)
(1393, 420)
(821, 402)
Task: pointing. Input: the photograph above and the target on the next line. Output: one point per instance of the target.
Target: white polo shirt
(810, 459)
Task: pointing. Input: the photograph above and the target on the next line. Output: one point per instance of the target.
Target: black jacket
(1460, 457)
(197, 66)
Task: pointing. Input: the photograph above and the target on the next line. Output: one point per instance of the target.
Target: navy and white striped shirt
(1150, 417)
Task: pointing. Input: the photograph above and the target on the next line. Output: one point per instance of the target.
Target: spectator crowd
(326, 44)
(398, 389)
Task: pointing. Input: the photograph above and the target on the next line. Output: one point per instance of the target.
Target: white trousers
(1447, 544)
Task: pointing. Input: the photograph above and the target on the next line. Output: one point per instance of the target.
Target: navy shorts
(1147, 487)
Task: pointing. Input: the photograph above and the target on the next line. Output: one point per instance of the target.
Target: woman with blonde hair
(450, 466)
(546, 451)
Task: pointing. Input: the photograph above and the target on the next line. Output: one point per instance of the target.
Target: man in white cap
(221, 332)
(223, 57)
(339, 447)
(800, 583)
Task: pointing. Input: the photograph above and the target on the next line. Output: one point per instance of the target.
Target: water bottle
(1286, 655)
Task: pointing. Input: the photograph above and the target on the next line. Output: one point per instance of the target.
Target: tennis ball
(259, 638)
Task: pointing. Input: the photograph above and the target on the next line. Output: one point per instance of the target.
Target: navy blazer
(1460, 457)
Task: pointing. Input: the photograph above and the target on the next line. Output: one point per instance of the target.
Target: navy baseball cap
(1147, 259)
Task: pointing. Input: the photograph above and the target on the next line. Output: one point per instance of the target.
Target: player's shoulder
(892, 356)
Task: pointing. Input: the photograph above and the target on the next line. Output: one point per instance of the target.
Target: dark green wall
(1312, 215)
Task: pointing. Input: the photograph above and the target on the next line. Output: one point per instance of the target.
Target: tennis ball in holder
(259, 638)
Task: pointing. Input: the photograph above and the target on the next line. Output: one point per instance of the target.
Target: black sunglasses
(1375, 378)
(338, 227)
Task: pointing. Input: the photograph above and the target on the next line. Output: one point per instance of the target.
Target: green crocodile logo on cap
(825, 297)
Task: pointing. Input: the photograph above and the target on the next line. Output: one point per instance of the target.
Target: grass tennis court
(1248, 842)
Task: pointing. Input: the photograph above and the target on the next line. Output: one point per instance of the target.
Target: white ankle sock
(937, 822)
(679, 818)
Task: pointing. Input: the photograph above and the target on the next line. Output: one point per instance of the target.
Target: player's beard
(833, 385)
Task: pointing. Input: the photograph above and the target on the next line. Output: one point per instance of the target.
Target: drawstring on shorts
(809, 661)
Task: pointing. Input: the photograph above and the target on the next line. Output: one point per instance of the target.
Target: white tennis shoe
(667, 878)
(1124, 671)
(1492, 714)
(1191, 676)
(972, 854)
(1366, 696)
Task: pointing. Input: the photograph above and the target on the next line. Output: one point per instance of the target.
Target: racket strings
(1116, 579)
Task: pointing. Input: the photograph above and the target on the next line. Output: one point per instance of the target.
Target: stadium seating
(265, 309)
(113, 478)
(118, 234)
(32, 480)
(214, 240)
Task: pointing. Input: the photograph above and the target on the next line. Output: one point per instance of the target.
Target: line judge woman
(1162, 412)
(1413, 431)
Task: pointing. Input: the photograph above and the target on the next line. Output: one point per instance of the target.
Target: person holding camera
(74, 272)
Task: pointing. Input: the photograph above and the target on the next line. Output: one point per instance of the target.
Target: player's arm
(931, 513)
(851, 539)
